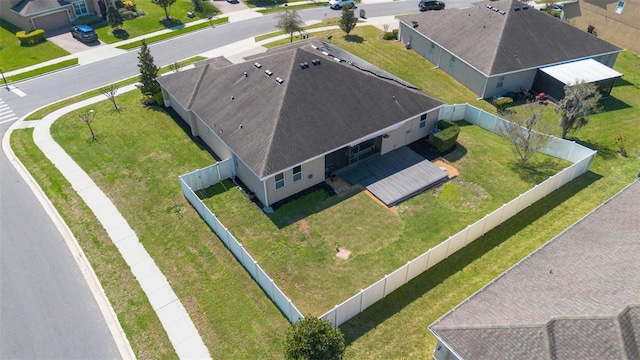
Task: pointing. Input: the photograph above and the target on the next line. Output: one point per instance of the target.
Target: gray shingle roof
(495, 44)
(314, 111)
(582, 289)
(29, 7)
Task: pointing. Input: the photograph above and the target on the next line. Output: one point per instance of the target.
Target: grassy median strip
(43, 70)
(139, 321)
(174, 33)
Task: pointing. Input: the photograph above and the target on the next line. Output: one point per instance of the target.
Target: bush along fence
(581, 158)
(203, 178)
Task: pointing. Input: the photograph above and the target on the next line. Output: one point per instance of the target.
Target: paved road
(46, 309)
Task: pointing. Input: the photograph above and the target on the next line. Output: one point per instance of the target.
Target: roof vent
(306, 64)
(279, 80)
(232, 97)
(489, 7)
(501, 12)
(336, 59)
(240, 127)
(313, 46)
(517, 8)
(245, 74)
(302, 66)
(525, 7)
(268, 72)
(496, 9)
(315, 62)
(258, 65)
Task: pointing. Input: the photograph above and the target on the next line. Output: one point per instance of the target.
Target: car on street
(338, 4)
(84, 33)
(425, 5)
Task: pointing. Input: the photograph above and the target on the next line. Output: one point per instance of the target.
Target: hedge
(30, 38)
(447, 137)
(87, 20)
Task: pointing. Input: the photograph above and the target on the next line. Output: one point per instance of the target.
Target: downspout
(484, 88)
(267, 209)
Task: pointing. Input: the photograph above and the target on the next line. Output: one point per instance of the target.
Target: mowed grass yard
(13, 56)
(142, 151)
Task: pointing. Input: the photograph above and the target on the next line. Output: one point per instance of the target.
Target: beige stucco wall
(52, 20)
(315, 168)
(512, 82)
(8, 15)
(619, 29)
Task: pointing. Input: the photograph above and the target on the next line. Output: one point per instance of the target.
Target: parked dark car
(84, 33)
(425, 5)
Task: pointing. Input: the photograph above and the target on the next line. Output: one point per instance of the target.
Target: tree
(166, 5)
(289, 21)
(580, 101)
(527, 134)
(148, 71)
(348, 20)
(87, 118)
(110, 92)
(114, 18)
(313, 338)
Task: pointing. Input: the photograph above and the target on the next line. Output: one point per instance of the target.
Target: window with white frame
(423, 121)
(500, 82)
(297, 173)
(452, 62)
(80, 8)
(433, 49)
(279, 181)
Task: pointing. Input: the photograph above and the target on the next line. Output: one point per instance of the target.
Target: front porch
(395, 176)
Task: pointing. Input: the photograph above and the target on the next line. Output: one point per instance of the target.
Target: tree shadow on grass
(425, 282)
(171, 23)
(536, 171)
(354, 39)
(603, 151)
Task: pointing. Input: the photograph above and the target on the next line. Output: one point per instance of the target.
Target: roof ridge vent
(313, 46)
(496, 9)
(501, 12)
(489, 6)
(257, 65)
(279, 80)
(268, 72)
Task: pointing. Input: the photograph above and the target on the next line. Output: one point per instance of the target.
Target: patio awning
(587, 70)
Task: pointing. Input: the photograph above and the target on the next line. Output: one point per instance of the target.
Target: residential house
(616, 21)
(576, 297)
(294, 115)
(48, 14)
(502, 47)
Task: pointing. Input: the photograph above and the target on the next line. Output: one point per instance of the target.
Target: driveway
(226, 7)
(62, 37)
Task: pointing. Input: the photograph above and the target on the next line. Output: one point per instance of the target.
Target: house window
(500, 82)
(208, 131)
(423, 121)
(279, 181)
(452, 62)
(432, 50)
(80, 8)
(297, 173)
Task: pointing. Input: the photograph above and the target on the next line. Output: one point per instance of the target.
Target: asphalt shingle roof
(315, 110)
(581, 289)
(495, 43)
(29, 7)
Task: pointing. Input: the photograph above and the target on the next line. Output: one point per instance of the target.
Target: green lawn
(13, 56)
(150, 22)
(141, 152)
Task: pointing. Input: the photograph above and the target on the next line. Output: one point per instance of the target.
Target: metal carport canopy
(574, 72)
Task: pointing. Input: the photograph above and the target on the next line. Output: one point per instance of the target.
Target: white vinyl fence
(203, 178)
(580, 156)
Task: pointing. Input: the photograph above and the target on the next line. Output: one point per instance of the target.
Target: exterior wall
(313, 167)
(620, 29)
(409, 132)
(212, 140)
(512, 82)
(249, 178)
(608, 59)
(9, 15)
(464, 73)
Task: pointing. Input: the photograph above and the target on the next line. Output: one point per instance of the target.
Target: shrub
(32, 37)
(158, 98)
(129, 15)
(502, 103)
(147, 100)
(87, 20)
(129, 5)
(395, 33)
(447, 137)
(389, 36)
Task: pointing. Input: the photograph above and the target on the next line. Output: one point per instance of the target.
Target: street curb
(109, 315)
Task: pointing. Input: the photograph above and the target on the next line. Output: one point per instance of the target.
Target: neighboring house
(617, 21)
(576, 297)
(48, 14)
(501, 47)
(294, 115)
